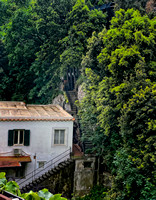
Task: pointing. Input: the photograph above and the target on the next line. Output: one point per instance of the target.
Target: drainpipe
(34, 166)
(98, 169)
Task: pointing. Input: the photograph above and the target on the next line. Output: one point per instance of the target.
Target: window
(19, 137)
(87, 164)
(41, 164)
(59, 136)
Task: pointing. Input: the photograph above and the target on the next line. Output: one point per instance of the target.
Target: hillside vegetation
(40, 40)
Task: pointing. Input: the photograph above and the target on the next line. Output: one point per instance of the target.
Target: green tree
(126, 4)
(42, 39)
(20, 43)
(51, 26)
(81, 22)
(30, 33)
(123, 98)
(4, 74)
(4, 67)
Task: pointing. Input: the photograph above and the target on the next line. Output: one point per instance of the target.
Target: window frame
(18, 143)
(65, 129)
(39, 162)
(26, 137)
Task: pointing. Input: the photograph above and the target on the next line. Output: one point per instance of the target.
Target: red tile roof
(19, 111)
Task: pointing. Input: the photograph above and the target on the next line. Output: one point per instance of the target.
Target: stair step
(62, 164)
(35, 182)
(54, 170)
(57, 168)
(50, 172)
(70, 161)
(45, 175)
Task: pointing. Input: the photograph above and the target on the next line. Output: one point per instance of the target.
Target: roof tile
(19, 111)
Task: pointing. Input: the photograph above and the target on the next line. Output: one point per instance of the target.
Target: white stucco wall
(41, 139)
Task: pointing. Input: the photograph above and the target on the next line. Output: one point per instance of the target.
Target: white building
(31, 135)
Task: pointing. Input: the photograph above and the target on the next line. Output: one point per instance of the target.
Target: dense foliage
(118, 112)
(97, 192)
(40, 40)
(13, 188)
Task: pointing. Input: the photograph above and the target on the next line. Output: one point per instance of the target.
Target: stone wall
(84, 175)
(61, 182)
(77, 179)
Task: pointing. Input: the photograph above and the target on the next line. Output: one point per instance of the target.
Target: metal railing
(28, 178)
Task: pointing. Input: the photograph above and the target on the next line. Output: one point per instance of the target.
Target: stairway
(78, 146)
(88, 146)
(72, 97)
(39, 175)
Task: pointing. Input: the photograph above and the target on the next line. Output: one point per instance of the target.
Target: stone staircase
(52, 167)
(88, 146)
(72, 97)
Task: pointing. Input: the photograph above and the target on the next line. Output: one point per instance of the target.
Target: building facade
(31, 135)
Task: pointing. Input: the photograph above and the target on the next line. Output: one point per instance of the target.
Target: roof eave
(36, 119)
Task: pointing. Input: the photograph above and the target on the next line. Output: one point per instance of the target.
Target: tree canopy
(40, 40)
(120, 99)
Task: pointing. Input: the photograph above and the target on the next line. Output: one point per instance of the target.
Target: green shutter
(10, 137)
(27, 138)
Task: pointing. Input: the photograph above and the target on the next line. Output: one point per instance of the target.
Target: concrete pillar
(84, 175)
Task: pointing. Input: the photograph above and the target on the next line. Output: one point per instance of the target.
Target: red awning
(9, 164)
(13, 161)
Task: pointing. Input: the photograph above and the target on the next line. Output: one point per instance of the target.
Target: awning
(9, 164)
(13, 161)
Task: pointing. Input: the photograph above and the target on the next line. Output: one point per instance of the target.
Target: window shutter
(27, 138)
(10, 137)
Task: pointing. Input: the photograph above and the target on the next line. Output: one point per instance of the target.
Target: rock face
(151, 6)
(80, 93)
(60, 100)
